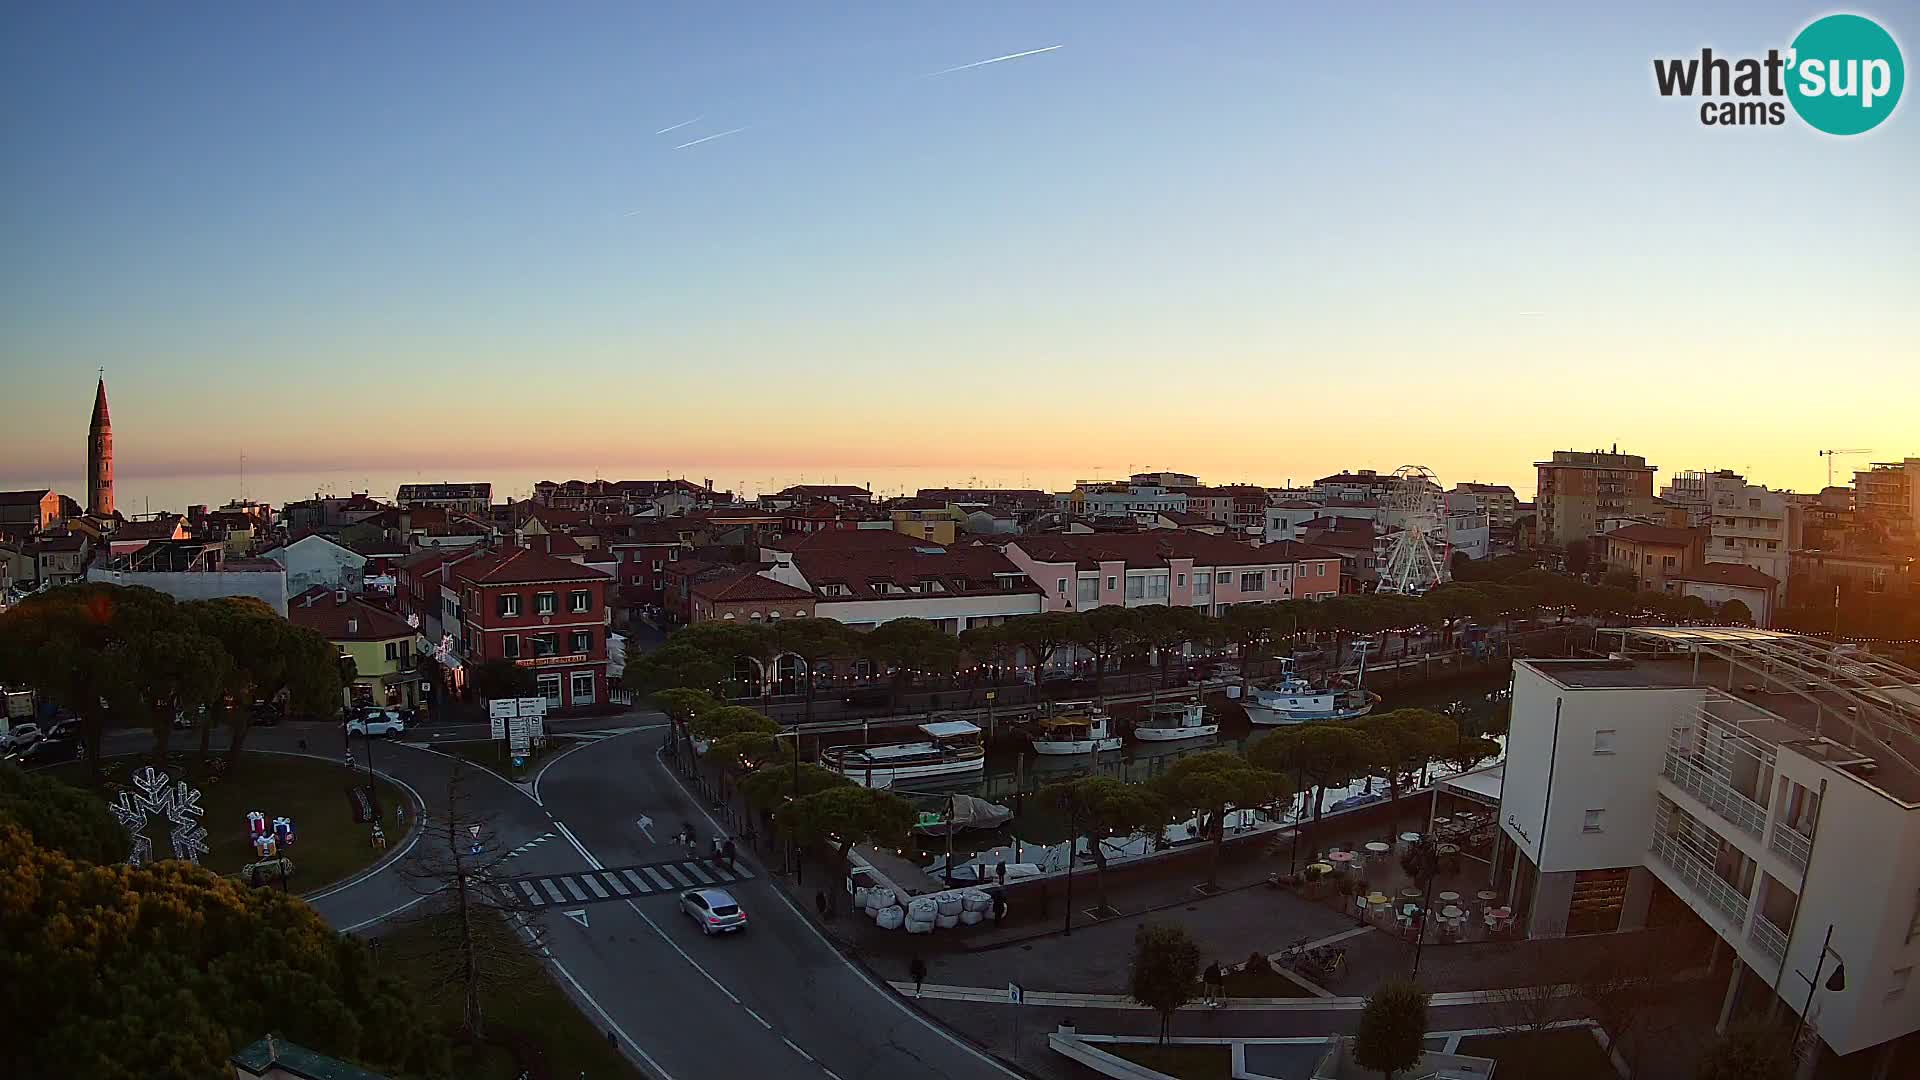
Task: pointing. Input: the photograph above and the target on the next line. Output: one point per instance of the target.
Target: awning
(1480, 785)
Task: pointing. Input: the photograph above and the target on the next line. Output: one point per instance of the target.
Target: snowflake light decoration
(176, 802)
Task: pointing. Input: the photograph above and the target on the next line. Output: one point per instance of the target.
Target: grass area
(1559, 1054)
(328, 844)
(492, 755)
(1185, 1062)
(1264, 982)
(528, 1010)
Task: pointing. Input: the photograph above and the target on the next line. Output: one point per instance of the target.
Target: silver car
(715, 911)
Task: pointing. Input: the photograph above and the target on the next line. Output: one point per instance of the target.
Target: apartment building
(1887, 498)
(1080, 572)
(540, 612)
(385, 647)
(1768, 782)
(1137, 502)
(1653, 554)
(1579, 488)
(868, 583)
(474, 498)
(1497, 501)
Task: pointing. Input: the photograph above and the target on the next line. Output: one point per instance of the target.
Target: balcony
(1699, 877)
(1769, 938)
(1717, 794)
(1792, 845)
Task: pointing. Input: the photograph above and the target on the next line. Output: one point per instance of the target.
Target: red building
(642, 558)
(540, 612)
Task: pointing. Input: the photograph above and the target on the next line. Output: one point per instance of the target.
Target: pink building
(1079, 572)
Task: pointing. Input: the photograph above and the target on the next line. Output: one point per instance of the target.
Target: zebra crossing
(621, 882)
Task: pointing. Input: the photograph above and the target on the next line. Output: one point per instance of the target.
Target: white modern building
(315, 560)
(1769, 782)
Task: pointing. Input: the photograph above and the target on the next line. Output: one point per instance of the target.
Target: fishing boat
(1074, 727)
(1295, 700)
(950, 747)
(1175, 720)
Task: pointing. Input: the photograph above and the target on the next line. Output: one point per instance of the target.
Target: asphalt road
(776, 999)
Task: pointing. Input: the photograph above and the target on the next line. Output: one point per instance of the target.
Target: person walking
(820, 902)
(728, 851)
(917, 969)
(689, 838)
(1209, 986)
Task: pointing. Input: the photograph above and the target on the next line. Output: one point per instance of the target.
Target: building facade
(1080, 572)
(1497, 501)
(1886, 498)
(1579, 488)
(1652, 553)
(384, 646)
(540, 612)
(1772, 791)
(28, 512)
(471, 498)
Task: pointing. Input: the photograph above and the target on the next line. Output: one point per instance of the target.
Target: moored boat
(950, 747)
(1295, 700)
(1075, 727)
(1175, 720)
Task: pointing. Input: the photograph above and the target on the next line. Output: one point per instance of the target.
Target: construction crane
(1829, 455)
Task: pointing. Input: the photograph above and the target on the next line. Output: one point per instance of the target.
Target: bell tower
(100, 455)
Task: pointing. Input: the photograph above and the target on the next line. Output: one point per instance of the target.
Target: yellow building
(925, 519)
(382, 645)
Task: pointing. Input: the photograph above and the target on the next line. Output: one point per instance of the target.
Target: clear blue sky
(1252, 240)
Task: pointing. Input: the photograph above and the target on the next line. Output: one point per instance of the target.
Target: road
(774, 1000)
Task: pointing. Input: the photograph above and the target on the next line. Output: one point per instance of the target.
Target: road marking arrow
(646, 826)
(578, 915)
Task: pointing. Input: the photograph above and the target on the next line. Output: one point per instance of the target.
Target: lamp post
(1835, 982)
(1432, 857)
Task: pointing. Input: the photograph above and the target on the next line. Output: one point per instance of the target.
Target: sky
(1250, 241)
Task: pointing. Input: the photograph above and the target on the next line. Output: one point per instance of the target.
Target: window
(582, 687)
(1136, 588)
(1667, 562)
(1156, 586)
(656, 566)
(581, 641)
(550, 688)
(1591, 823)
(1603, 740)
(509, 605)
(510, 646)
(1060, 588)
(1180, 580)
(1254, 582)
(1202, 584)
(546, 645)
(1322, 571)
(545, 603)
(1111, 583)
(393, 650)
(578, 601)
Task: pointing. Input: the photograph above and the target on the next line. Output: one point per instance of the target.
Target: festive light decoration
(176, 802)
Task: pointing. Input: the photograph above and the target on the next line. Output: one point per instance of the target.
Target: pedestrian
(718, 846)
(918, 969)
(1000, 871)
(728, 851)
(1210, 980)
(820, 902)
(688, 837)
(999, 909)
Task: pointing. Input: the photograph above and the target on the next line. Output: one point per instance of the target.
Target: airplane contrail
(710, 138)
(995, 60)
(680, 125)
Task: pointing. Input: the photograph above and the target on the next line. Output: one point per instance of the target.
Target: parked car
(376, 722)
(44, 752)
(65, 729)
(20, 736)
(265, 713)
(715, 911)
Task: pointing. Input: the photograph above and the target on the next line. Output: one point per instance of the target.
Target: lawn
(529, 1010)
(1263, 982)
(1558, 1054)
(328, 844)
(492, 755)
(1185, 1062)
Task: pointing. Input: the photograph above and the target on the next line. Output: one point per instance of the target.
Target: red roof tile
(519, 566)
(320, 609)
(1736, 575)
(747, 585)
(1655, 534)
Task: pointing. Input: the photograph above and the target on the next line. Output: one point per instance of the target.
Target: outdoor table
(1341, 860)
(1442, 822)
(1487, 896)
(1324, 868)
(1410, 893)
(1377, 899)
(1409, 837)
(1449, 897)
(1449, 849)
(1375, 847)
(1450, 912)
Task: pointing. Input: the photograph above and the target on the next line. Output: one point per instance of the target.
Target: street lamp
(1835, 982)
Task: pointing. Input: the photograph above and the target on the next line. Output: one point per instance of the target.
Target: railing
(1771, 939)
(1792, 845)
(1724, 898)
(1717, 794)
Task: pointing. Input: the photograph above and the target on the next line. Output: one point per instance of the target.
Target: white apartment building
(1752, 526)
(1769, 782)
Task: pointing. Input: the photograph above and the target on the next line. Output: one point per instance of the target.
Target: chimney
(353, 626)
(339, 596)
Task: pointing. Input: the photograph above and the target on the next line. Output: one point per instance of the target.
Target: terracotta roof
(1298, 504)
(828, 490)
(1369, 479)
(916, 504)
(1485, 489)
(378, 549)
(1654, 534)
(973, 570)
(30, 497)
(745, 585)
(517, 566)
(852, 540)
(1732, 574)
(158, 529)
(1294, 551)
(559, 545)
(319, 609)
(1181, 517)
(1088, 550)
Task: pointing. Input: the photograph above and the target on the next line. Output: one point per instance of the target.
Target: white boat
(1294, 700)
(950, 747)
(1076, 727)
(1175, 720)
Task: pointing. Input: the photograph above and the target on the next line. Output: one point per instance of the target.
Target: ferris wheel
(1416, 558)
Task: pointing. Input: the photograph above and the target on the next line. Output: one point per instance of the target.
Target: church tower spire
(100, 455)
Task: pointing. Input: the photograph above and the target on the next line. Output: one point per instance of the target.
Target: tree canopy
(1099, 806)
(61, 817)
(1166, 969)
(1392, 1025)
(500, 678)
(122, 973)
(1749, 1050)
(1213, 780)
